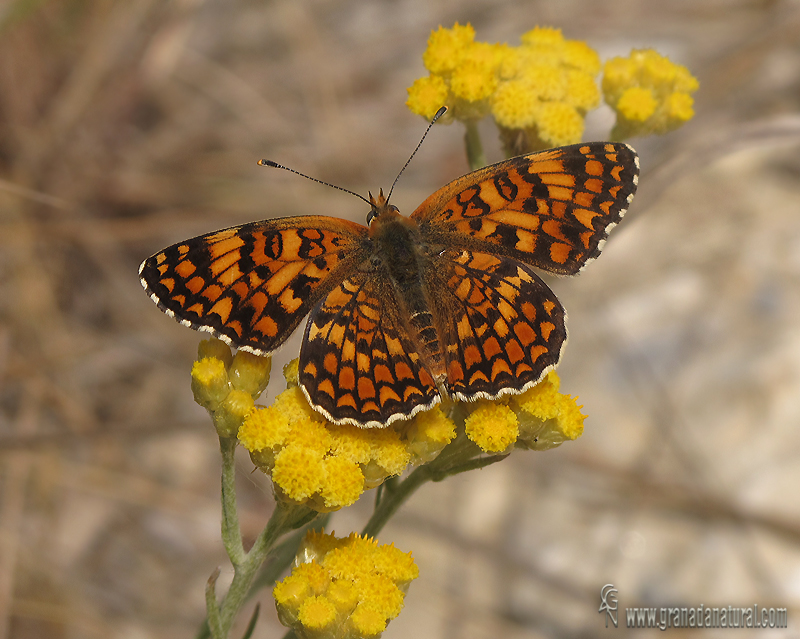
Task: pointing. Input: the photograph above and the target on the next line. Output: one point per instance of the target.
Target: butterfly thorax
(401, 254)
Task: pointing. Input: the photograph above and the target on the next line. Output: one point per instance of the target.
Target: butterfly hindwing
(358, 363)
(551, 209)
(252, 285)
(502, 328)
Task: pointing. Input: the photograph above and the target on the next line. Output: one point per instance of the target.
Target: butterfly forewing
(552, 209)
(252, 285)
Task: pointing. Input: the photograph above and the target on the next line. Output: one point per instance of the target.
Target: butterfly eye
(371, 216)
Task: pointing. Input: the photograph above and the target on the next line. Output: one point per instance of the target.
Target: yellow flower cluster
(326, 466)
(538, 92)
(343, 588)
(539, 419)
(227, 385)
(650, 93)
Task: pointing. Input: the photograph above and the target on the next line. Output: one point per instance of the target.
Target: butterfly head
(380, 208)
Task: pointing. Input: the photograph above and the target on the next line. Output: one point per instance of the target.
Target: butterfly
(405, 310)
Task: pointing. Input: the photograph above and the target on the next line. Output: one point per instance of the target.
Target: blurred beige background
(127, 126)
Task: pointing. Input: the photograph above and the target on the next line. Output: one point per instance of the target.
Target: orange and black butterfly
(405, 309)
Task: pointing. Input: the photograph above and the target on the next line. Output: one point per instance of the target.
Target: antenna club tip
(263, 162)
(442, 110)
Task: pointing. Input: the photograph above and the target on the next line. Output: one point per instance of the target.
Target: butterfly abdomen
(402, 253)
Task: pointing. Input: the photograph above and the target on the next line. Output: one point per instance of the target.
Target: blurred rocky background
(127, 126)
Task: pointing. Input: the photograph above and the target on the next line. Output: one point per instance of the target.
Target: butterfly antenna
(275, 165)
(439, 114)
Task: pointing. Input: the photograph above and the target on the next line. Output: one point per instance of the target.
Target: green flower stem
(284, 518)
(213, 621)
(473, 464)
(472, 141)
(458, 457)
(231, 533)
(244, 572)
(391, 501)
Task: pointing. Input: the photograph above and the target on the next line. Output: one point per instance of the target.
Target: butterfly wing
(252, 285)
(501, 328)
(552, 209)
(358, 363)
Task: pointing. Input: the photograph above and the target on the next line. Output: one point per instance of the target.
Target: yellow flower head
(427, 95)
(315, 546)
(570, 419)
(582, 91)
(250, 373)
(366, 621)
(515, 105)
(485, 55)
(581, 57)
(446, 48)
(210, 383)
(650, 93)
(348, 587)
(313, 462)
(289, 441)
(380, 453)
(637, 104)
(547, 418)
(298, 473)
(473, 82)
(618, 75)
(343, 485)
(351, 442)
(493, 427)
(549, 82)
(326, 466)
(396, 565)
(559, 123)
(314, 576)
(541, 400)
(269, 427)
(317, 613)
(388, 452)
(546, 88)
(307, 582)
(428, 433)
